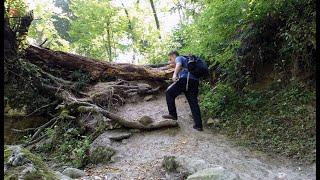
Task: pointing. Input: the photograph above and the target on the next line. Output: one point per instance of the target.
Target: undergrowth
(280, 119)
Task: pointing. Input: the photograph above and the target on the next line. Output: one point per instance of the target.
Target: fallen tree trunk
(98, 70)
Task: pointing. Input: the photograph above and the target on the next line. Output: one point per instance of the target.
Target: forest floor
(140, 156)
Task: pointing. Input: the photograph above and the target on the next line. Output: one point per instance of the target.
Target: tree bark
(155, 16)
(99, 70)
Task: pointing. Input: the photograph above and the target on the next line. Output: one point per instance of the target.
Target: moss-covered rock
(146, 120)
(20, 163)
(170, 164)
(101, 155)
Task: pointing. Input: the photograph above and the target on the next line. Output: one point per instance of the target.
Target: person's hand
(174, 78)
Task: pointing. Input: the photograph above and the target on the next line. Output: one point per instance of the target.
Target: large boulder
(215, 173)
(20, 163)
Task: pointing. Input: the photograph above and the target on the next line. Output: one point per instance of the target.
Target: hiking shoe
(198, 128)
(169, 117)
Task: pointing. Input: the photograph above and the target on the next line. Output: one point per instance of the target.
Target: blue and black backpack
(197, 66)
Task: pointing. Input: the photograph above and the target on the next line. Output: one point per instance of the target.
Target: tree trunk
(155, 16)
(99, 70)
(109, 42)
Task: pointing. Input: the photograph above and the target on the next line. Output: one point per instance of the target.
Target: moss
(101, 155)
(169, 163)
(145, 120)
(42, 170)
(7, 153)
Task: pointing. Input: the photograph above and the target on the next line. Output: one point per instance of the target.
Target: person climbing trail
(186, 82)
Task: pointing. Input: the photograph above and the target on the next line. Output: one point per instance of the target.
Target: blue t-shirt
(184, 72)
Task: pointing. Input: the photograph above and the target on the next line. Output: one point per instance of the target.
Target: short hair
(174, 52)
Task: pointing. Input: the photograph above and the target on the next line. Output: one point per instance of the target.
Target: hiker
(183, 81)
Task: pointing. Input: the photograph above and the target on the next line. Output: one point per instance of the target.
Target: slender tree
(155, 16)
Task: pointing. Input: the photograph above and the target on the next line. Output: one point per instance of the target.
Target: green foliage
(82, 79)
(14, 9)
(278, 119)
(93, 35)
(74, 148)
(217, 102)
(242, 38)
(42, 28)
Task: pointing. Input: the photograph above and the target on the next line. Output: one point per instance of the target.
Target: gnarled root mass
(111, 85)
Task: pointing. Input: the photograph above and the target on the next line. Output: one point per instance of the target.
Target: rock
(211, 121)
(91, 121)
(17, 158)
(103, 140)
(145, 120)
(148, 98)
(216, 173)
(100, 141)
(134, 130)
(61, 176)
(118, 136)
(101, 155)
(281, 176)
(184, 165)
(143, 86)
(113, 176)
(169, 163)
(20, 163)
(116, 158)
(191, 165)
(73, 172)
(28, 172)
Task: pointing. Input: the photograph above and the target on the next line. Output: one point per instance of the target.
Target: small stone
(145, 120)
(73, 172)
(213, 121)
(281, 176)
(210, 121)
(148, 98)
(116, 158)
(113, 176)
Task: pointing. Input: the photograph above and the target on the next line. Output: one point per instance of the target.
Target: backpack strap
(187, 85)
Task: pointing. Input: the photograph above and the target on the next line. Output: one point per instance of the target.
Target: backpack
(197, 66)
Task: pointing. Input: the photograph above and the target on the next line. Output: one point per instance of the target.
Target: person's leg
(192, 97)
(172, 92)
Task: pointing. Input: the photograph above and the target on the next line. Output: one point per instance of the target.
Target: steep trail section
(140, 156)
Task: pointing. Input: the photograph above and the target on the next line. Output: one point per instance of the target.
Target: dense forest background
(261, 56)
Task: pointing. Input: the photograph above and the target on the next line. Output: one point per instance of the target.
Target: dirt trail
(140, 156)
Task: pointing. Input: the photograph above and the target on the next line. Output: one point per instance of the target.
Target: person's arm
(177, 69)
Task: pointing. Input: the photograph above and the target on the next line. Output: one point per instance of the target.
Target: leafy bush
(218, 102)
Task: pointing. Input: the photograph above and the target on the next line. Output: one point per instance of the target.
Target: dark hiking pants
(176, 89)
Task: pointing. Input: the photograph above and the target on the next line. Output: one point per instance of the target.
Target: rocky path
(141, 155)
